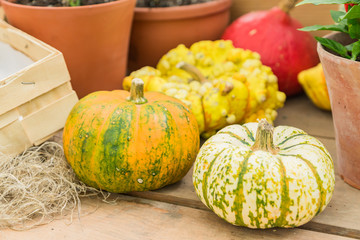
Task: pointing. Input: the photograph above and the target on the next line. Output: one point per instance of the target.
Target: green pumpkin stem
(137, 91)
(264, 138)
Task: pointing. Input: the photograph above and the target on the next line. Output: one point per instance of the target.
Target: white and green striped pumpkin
(258, 176)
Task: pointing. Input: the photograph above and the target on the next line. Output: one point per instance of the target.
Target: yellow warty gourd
(313, 82)
(221, 84)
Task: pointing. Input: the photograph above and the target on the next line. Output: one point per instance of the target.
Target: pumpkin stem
(264, 138)
(137, 92)
(193, 71)
(287, 5)
(198, 76)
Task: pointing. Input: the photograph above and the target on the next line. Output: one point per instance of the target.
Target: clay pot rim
(180, 12)
(40, 8)
(323, 51)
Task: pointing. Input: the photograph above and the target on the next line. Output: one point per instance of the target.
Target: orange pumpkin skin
(119, 146)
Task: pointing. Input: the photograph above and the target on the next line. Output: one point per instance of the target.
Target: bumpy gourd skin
(313, 82)
(237, 88)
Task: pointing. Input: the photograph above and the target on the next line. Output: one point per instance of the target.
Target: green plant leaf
(337, 27)
(349, 47)
(318, 2)
(344, 22)
(353, 13)
(74, 3)
(335, 46)
(355, 50)
(336, 15)
(354, 28)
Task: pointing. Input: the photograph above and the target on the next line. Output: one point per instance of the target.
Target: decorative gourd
(347, 6)
(221, 84)
(119, 143)
(314, 84)
(275, 36)
(258, 176)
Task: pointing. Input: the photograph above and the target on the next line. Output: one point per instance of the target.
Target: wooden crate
(35, 101)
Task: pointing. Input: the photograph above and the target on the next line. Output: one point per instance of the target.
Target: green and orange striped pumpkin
(121, 143)
(258, 176)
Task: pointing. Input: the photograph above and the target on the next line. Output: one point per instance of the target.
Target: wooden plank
(8, 118)
(45, 99)
(23, 42)
(53, 118)
(344, 208)
(13, 138)
(40, 78)
(341, 217)
(306, 14)
(301, 113)
(37, 120)
(53, 137)
(134, 218)
(343, 212)
(313, 226)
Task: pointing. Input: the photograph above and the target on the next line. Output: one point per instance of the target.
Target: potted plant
(339, 54)
(93, 36)
(159, 26)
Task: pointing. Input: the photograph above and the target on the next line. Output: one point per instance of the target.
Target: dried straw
(38, 186)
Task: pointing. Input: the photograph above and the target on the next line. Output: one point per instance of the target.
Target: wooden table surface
(175, 212)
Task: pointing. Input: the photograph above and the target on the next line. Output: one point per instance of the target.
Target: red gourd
(348, 5)
(275, 36)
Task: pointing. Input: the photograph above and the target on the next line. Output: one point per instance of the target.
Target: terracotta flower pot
(94, 39)
(157, 30)
(343, 81)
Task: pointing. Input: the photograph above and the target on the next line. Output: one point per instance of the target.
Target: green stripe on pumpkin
(291, 137)
(309, 144)
(115, 136)
(187, 158)
(249, 133)
(220, 200)
(236, 137)
(205, 179)
(89, 133)
(285, 197)
(171, 131)
(322, 192)
(239, 192)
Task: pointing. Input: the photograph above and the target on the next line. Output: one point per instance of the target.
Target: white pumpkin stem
(287, 5)
(137, 92)
(264, 138)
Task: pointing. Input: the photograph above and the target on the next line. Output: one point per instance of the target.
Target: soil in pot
(167, 3)
(57, 3)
